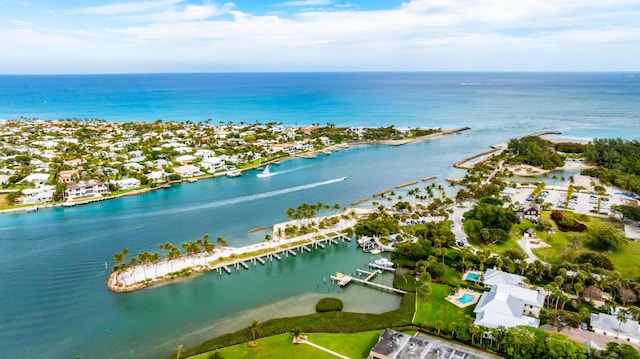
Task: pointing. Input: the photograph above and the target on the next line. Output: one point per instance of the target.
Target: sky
(98, 36)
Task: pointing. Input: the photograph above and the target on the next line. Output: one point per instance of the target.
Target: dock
(244, 265)
(260, 260)
(276, 256)
(305, 248)
(320, 245)
(226, 269)
(331, 240)
(344, 280)
(291, 252)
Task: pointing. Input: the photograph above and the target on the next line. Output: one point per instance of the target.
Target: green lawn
(356, 345)
(278, 346)
(626, 261)
(453, 277)
(437, 308)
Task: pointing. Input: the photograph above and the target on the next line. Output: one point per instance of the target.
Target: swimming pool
(473, 277)
(466, 298)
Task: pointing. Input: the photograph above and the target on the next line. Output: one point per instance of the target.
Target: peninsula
(71, 162)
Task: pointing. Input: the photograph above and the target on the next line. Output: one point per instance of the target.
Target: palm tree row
(169, 252)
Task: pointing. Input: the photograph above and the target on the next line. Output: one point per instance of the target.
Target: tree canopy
(535, 151)
(489, 222)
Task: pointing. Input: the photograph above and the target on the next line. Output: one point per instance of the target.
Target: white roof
(494, 277)
(528, 296)
(611, 323)
(38, 177)
(185, 158)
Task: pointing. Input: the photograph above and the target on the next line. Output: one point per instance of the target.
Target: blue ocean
(55, 303)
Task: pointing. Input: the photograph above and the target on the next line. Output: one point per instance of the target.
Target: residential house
(4, 179)
(212, 164)
(38, 195)
(37, 178)
(156, 176)
(68, 176)
(204, 153)
(128, 183)
(186, 159)
(74, 163)
(187, 171)
(529, 212)
(610, 325)
(507, 304)
(91, 188)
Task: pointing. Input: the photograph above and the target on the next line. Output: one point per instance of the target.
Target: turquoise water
(55, 303)
(474, 277)
(466, 298)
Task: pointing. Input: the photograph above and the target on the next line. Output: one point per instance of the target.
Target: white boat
(343, 178)
(265, 173)
(326, 152)
(384, 262)
(234, 174)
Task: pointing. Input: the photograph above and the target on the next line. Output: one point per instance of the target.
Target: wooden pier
(344, 280)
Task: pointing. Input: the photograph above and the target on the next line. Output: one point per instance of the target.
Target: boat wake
(236, 200)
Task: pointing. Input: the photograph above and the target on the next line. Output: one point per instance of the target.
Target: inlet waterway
(54, 301)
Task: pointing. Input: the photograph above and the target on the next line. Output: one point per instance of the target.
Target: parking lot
(580, 202)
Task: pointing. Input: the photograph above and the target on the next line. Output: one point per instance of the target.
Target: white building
(609, 325)
(507, 304)
(187, 171)
(212, 164)
(204, 153)
(38, 195)
(37, 178)
(85, 189)
(186, 158)
(128, 183)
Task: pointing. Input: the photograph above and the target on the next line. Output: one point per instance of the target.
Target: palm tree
(154, 258)
(254, 329)
(622, 318)
(439, 325)
(179, 350)
(221, 242)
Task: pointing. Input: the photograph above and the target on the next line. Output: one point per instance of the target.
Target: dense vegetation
(377, 224)
(489, 222)
(570, 147)
(535, 151)
(329, 305)
(618, 162)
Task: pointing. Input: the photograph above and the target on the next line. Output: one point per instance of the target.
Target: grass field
(437, 308)
(275, 347)
(626, 261)
(355, 346)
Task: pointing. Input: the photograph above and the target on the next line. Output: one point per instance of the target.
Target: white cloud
(128, 8)
(304, 3)
(418, 35)
(21, 23)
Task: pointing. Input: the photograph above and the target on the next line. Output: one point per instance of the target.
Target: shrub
(514, 254)
(329, 305)
(566, 223)
(599, 260)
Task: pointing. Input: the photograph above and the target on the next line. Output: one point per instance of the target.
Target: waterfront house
(609, 325)
(212, 164)
(38, 195)
(187, 171)
(91, 188)
(128, 183)
(508, 303)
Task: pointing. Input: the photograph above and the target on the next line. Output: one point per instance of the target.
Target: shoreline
(36, 207)
(185, 266)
